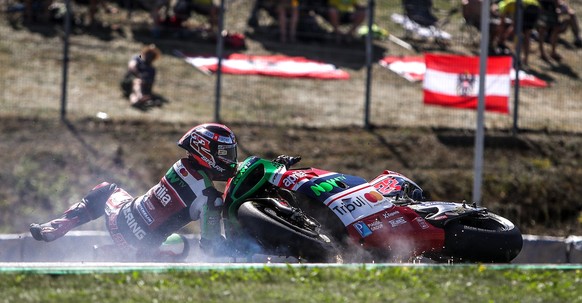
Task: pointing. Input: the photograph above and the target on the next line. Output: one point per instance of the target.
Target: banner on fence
(453, 81)
(274, 66)
(413, 69)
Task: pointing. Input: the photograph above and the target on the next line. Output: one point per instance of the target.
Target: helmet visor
(227, 153)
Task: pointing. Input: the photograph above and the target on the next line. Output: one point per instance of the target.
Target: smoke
(399, 251)
(97, 246)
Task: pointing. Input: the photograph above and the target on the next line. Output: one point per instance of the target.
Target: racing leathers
(140, 225)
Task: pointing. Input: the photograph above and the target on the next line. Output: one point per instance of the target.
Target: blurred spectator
(555, 19)
(306, 27)
(550, 27)
(158, 12)
(94, 7)
(471, 10)
(420, 11)
(341, 12)
(140, 76)
(567, 13)
(253, 20)
(531, 13)
(209, 8)
(36, 10)
(287, 9)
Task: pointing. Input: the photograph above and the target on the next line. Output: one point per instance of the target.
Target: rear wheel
(282, 234)
(487, 238)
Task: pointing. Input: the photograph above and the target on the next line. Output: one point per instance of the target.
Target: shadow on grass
(71, 127)
(155, 101)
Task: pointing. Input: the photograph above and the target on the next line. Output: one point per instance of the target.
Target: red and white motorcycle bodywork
(388, 217)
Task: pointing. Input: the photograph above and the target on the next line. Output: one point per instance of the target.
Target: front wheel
(486, 238)
(280, 234)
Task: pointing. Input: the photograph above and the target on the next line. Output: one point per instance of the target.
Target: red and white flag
(275, 66)
(452, 80)
(410, 68)
(413, 69)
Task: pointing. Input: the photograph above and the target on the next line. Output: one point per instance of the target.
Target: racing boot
(91, 207)
(52, 230)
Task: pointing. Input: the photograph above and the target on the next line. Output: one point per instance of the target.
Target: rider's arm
(210, 232)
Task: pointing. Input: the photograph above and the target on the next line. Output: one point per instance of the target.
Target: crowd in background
(544, 21)
(175, 14)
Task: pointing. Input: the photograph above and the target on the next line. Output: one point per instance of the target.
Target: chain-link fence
(32, 53)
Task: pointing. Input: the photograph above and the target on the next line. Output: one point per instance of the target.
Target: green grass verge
(475, 283)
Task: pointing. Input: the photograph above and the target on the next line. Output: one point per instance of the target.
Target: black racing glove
(288, 161)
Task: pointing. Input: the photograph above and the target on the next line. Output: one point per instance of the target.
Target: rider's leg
(91, 207)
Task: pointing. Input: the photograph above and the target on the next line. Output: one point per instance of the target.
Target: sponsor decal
(242, 170)
(161, 192)
(212, 164)
(108, 210)
(202, 146)
(149, 204)
(373, 196)
(362, 229)
(183, 172)
(398, 221)
(278, 174)
(349, 205)
(388, 185)
(422, 223)
(174, 179)
(145, 214)
(112, 220)
(137, 231)
(441, 217)
(326, 186)
(292, 179)
(387, 215)
(473, 228)
(376, 225)
(222, 139)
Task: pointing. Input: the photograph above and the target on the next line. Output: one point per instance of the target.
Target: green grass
(477, 283)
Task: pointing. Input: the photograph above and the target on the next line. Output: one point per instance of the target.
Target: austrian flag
(453, 81)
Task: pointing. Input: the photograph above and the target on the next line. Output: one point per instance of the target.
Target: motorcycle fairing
(251, 174)
(349, 197)
(371, 219)
(397, 229)
(294, 179)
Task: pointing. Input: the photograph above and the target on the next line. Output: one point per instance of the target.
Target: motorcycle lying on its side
(319, 215)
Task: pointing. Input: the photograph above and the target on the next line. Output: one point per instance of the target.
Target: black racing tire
(278, 235)
(486, 238)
